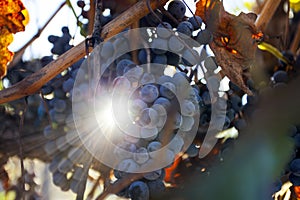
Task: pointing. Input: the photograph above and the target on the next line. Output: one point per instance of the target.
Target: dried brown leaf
(235, 37)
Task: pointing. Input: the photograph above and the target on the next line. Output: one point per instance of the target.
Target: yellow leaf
(13, 18)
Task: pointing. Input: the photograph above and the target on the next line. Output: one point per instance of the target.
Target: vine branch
(31, 84)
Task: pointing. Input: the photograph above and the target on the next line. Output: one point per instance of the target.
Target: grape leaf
(234, 43)
(13, 18)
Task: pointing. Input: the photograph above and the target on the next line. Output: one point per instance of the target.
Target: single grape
(47, 89)
(295, 166)
(149, 93)
(78, 173)
(141, 155)
(190, 58)
(121, 83)
(74, 185)
(236, 102)
(176, 144)
(68, 85)
(59, 93)
(177, 9)
(162, 30)
(280, 76)
(153, 147)
(206, 98)
(213, 83)
(187, 123)
(295, 180)
(49, 133)
(175, 45)
(60, 179)
(65, 166)
(164, 102)
(177, 120)
(60, 105)
(107, 50)
(55, 162)
(134, 74)
(80, 4)
(128, 165)
(147, 78)
(59, 117)
(122, 64)
(72, 138)
(186, 28)
(69, 121)
(167, 90)
(142, 56)
(121, 45)
(160, 59)
(149, 133)
(196, 22)
(75, 154)
(50, 147)
(131, 139)
(227, 123)
(240, 124)
(204, 37)
(159, 46)
(136, 106)
(124, 150)
(148, 118)
(164, 78)
(181, 81)
(192, 151)
(138, 190)
(156, 188)
(161, 111)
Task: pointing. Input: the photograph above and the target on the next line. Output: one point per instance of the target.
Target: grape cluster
(61, 44)
(63, 143)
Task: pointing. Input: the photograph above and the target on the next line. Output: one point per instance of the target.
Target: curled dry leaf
(13, 18)
(235, 39)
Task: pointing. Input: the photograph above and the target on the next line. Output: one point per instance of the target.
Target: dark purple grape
(295, 180)
(204, 37)
(177, 9)
(138, 190)
(186, 28)
(122, 64)
(156, 188)
(160, 59)
(142, 56)
(280, 76)
(196, 22)
(159, 46)
(162, 30)
(80, 4)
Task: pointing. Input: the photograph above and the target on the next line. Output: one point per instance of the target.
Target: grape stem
(31, 84)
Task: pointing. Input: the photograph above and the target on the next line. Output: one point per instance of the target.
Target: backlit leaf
(234, 45)
(13, 18)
